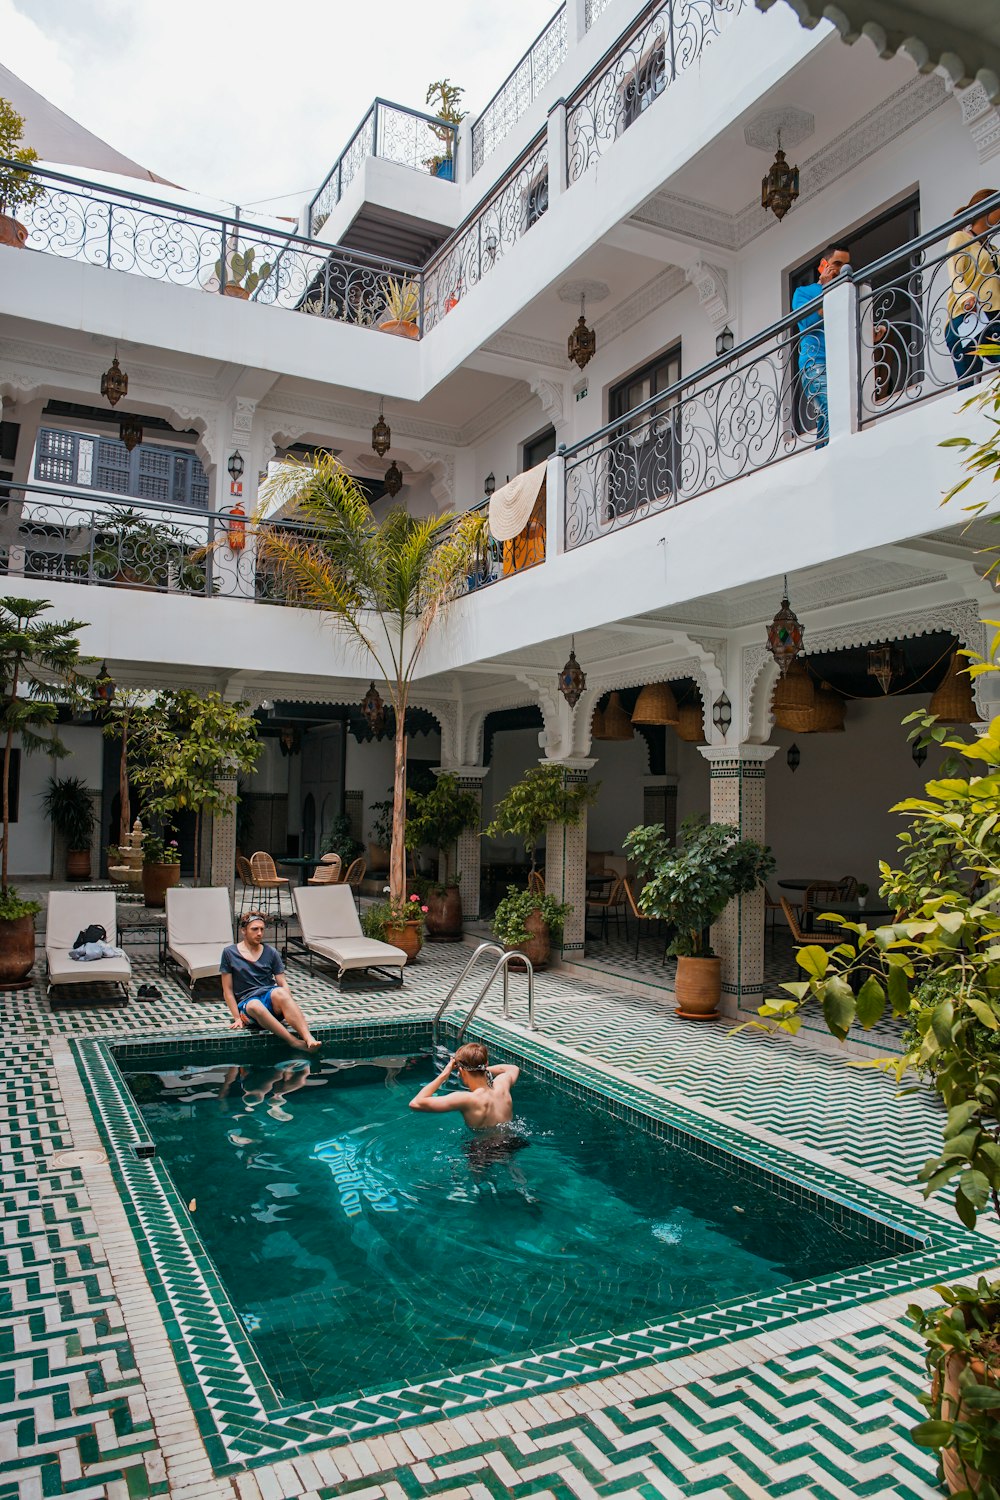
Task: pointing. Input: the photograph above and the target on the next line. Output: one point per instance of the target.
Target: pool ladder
(502, 966)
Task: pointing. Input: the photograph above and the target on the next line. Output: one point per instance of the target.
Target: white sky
(249, 100)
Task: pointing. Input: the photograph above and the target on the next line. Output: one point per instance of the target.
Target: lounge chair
(331, 929)
(69, 912)
(199, 926)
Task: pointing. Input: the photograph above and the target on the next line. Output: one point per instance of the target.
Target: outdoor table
(803, 885)
(877, 915)
(305, 867)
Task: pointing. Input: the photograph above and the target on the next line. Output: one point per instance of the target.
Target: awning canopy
(960, 36)
(511, 506)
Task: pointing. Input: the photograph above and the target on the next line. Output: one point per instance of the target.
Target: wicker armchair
(266, 878)
(806, 939)
(327, 871)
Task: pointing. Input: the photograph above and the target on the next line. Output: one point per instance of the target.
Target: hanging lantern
(952, 701)
(104, 687)
(656, 704)
(114, 382)
(381, 434)
(582, 345)
(373, 710)
(883, 664)
(572, 679)
(793, 757)
(289, 742)
(130, 432)
(690, 726)
(613, 723)
(780, 187)
(393, 479)
(236, 528)
(784, 634)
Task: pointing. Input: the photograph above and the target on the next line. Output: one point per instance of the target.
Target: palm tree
(382, 582)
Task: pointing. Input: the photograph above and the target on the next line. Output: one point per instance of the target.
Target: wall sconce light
(722, 714)
(114, 382)
(236, 466)
(490, 485)
(793, 757)
(725, 341)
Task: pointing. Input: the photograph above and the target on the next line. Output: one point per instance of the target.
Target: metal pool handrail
(502, 965)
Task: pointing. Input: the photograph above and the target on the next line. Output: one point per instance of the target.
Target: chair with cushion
(331, 929)
(69, 913)
(806, 939)
(327, 871)
(199, 926)
(267, 879)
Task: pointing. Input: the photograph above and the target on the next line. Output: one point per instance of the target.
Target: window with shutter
(56, 459)
(155, 465)
(111, 468)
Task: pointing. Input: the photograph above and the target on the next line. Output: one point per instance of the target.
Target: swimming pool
(356, 1238)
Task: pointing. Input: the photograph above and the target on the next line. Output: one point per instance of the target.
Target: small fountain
(129, 871)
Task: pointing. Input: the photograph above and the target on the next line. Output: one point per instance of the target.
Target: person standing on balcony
(973, 292)
(812, 340)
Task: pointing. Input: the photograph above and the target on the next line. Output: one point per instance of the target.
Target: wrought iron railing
(499, 560)
(394, 133)
(666, 39)
(120, 230)
(520, 89)
(759, 404)
(502, 218)
(928, 315)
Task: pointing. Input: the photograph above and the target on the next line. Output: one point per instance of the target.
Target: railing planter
(12, 232)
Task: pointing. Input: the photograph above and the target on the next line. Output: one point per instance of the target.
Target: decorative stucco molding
(713, 290)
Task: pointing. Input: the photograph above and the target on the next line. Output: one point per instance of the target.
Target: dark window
(539, 448)
(642, 462)
(644, 85)
(151, 471)
(537, 200)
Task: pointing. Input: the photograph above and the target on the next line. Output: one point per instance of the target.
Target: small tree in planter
(439, 817)
(118, 717)
(18, 189)
(689, 887)
(445, 96)
(539, 798)
(70, 809)
(39, 663)
(340, 840)
(527, 921)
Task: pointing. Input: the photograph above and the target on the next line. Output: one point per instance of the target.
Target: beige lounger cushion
(199, 926)
(69, 912)
(331, 928)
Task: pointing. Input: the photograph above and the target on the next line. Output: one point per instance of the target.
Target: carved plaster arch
(701, 665)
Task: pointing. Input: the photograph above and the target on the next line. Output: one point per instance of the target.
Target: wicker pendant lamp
(656, 704)
(952, 699)
(828, 714)
(690, 725)
(614, 722)
(794, 700)
(597, 725)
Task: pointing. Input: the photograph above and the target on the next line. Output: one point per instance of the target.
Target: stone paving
(92, 1402)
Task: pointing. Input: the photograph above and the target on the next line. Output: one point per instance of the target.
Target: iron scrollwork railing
(519, 91)
(928, 316)
(670, 36)
(504, 217)
(394, 133)
(499, 560)
(755, 406)
(150, 237)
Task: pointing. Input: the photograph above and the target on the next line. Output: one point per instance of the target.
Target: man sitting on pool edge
(488, 1102)
(252, 987)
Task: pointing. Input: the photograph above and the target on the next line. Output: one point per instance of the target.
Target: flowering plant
(158, 851)
(381, 915)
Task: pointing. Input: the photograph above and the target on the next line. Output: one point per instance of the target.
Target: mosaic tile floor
(90, 1399)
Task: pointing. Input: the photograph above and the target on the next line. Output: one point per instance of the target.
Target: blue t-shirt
(252, 978)
(812, 344)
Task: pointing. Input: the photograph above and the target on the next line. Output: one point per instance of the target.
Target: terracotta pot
(77, 864)
(444, 915)
(12, 232)
(401, 330)
(157, 880)
(408, 937)
(698, 987)
(17, 951)
(539, 946)
(233, 289)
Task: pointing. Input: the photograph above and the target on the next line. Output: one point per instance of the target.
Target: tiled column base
(224, 842)
(469, 849)
(737, 797)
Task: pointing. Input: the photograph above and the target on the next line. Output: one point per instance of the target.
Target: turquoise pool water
(364, 1244)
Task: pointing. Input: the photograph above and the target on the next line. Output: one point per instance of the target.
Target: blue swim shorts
(264, 996)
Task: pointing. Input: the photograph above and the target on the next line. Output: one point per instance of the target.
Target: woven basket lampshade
(690, 725)
(597, 725)
(794, 700)
(828, 714)
(656, 704)
(952, 699)
(614, 722)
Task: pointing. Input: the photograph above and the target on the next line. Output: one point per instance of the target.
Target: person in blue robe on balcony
(812, 339)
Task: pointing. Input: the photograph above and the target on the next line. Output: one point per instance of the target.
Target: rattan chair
(632, 905)
(327, 871)
(354, 876)
(817, 898)
(613, 900)
(245, 873)
(849, 888)
(266, 878)
(536, 882)
(806, 939)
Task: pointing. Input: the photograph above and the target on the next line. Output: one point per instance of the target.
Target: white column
(736, 790)
(840, 312)
(566, 862)
(28, 416)
(469, 849)
(555, 506)
(556, 137)
(576, 22)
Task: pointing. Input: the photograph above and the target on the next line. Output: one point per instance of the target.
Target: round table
(304, 866)
(803, 885)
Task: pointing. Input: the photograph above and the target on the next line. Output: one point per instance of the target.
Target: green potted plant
(70, 809)
(402, 308)
(241, 278)
(538, 799)
(18, 188)
(689, 887)
(380, 835)
(400, 923)
(39, 664)
(137, 552)
(527, 921)
(340, 840)
(161, 868)
(445, 97)
(439, 817)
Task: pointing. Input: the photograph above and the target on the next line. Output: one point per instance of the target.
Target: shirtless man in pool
(488, 1102)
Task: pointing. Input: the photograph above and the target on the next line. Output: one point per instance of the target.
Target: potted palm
(240, 277)
(689, 887)
(18, 188)
(402, 308)
(439, 817)
(527, 921)
(70, 810)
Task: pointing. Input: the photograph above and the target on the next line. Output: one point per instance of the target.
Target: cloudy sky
(248, 101)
